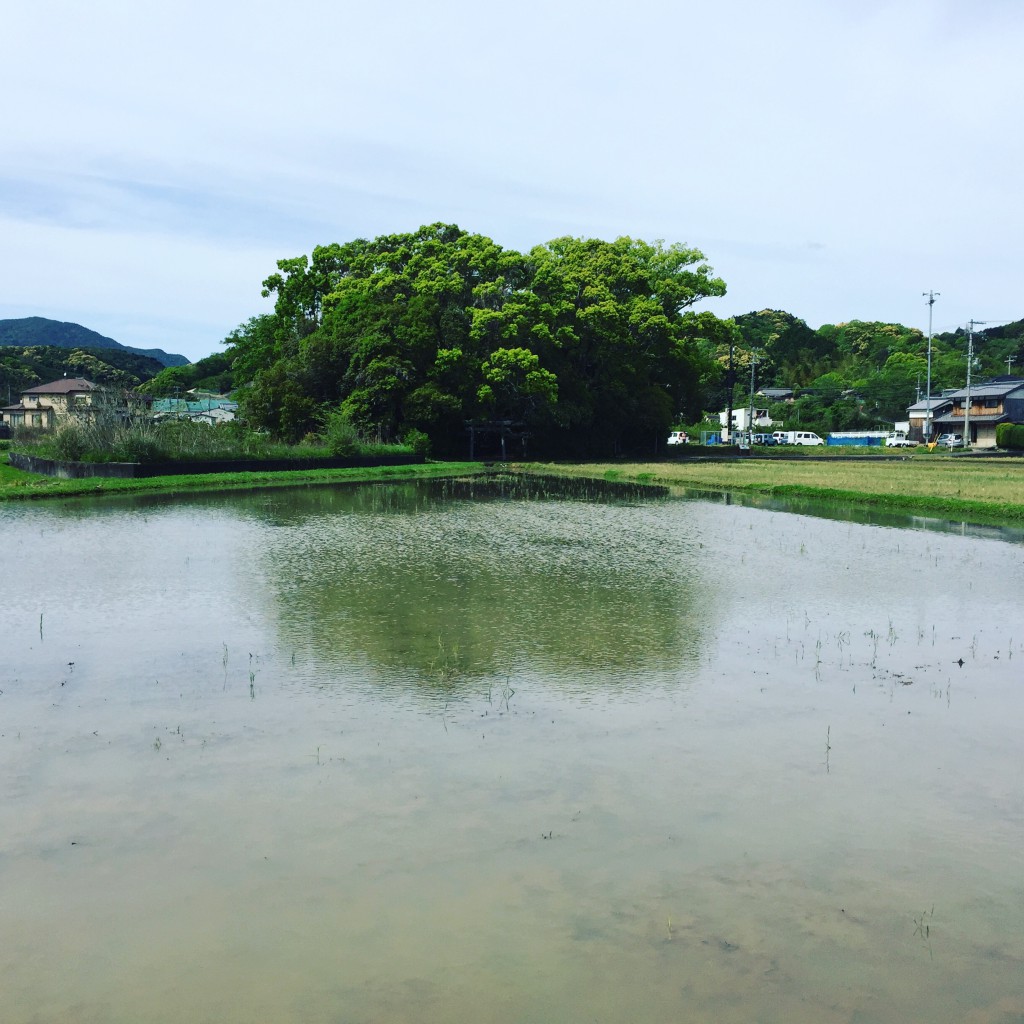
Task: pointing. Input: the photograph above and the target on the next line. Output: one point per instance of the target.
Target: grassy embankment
(966, 488)
(16, 484)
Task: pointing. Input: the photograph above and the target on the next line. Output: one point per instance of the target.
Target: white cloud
(161, 157)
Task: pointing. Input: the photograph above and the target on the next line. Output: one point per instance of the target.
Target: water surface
(401, 754)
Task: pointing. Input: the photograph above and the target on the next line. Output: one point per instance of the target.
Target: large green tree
(589, 344)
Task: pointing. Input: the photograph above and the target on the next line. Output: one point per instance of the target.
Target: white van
(805, 437)
(797, 437)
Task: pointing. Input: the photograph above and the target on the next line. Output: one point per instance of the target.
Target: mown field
(973, 488)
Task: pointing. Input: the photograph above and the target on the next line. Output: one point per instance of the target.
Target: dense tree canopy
(589, 344)
(210, 374)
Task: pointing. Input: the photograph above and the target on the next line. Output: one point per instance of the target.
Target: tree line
(591, 347)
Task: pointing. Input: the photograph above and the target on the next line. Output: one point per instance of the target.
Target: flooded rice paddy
(418, 754)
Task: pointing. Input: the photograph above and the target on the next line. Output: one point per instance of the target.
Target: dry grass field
(970, 486)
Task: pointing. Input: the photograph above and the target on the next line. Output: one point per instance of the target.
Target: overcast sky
(832, 158)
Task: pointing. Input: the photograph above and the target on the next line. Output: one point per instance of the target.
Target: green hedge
(1010, 435)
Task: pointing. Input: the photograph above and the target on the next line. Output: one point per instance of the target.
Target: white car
(808, 437)
(678, 437)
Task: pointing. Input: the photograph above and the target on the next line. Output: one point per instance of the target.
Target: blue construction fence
(859, 438)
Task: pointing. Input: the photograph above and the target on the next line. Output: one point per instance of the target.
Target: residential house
(47, 405)
(982, 408)
(44, 406)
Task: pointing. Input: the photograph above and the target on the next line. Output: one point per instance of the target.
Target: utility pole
(928, 387)
(730, 382)
(750, 414)
(971, 324)
(967, 400)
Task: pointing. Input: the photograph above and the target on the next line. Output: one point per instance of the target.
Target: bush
(1010, 435)
(108, 438)
(69, 442)
(417, 442)
(103, 438)
(340, 435)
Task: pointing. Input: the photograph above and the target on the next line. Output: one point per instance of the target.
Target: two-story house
(44, 406)
(982, 409)
(48, 405)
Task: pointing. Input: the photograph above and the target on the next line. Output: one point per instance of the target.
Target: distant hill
(37, 330)
(23, 367)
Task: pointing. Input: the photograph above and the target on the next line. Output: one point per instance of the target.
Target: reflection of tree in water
(404, 581)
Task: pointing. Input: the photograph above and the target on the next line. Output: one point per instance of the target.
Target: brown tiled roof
(64, 386)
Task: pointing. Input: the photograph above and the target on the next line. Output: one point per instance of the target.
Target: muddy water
(392, 755)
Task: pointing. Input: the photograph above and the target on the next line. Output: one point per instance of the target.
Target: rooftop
(63, 386)
(998, 388)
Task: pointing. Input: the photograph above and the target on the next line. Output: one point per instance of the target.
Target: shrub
(340, 434)
(417, 442)
(69, 443)
(1010, 435)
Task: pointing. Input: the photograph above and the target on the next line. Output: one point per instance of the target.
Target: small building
(741, 418)
(200, 407)
(981, 409)
(917, 415)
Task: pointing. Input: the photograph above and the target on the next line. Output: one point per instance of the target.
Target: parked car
(898, 439)
(950, 441)
(808, 437)
(765, 439)
(678, 437)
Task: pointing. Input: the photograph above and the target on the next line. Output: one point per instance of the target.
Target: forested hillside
(32, 331)
(859, 373)
(23, 368)
(210, 374)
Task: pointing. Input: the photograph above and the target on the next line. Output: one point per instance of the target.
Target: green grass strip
(18, 485)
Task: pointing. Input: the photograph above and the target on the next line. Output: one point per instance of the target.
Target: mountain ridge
(32, 331)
